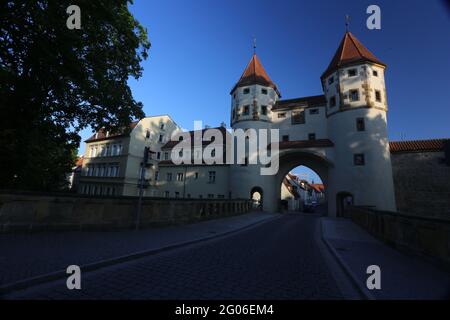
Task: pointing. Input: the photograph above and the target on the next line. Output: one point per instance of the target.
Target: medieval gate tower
(342, 134)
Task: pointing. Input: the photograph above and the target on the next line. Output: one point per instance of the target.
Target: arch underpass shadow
(256, 195)
(290, 159)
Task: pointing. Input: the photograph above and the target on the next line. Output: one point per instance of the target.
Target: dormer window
(246, 110)
(264, 91)
(246, 91)
(147, 134)
(375, 73)
(352, 72)
(161, 126)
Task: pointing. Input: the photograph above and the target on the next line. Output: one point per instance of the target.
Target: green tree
(55, 82)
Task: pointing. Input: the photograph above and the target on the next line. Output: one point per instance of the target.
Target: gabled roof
(432, 145)
(350, 51)
(254, 73)
(101, 134)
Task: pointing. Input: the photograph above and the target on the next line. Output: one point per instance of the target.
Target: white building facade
(341, 135)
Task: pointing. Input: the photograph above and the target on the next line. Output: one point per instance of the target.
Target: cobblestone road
(279, 259)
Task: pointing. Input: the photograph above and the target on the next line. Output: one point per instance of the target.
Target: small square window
(352, 72)
(285, 138)
(378, 95)
(360, 124)
(358, 159)
(375, 73)
(166, 194)
(332, 101)
(330, 80)
(264, 91)
(264, 110)
(354, 95)
(298, 117)
(169, 176)
(246, 91)
(313, 111)
(282, 115)
(246, 110)
(312, 136)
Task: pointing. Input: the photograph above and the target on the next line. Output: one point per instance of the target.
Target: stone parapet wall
(422, 183)
(420, 235)
(37, 212)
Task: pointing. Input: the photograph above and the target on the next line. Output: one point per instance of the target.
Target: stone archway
(288, 160)
(256, 195)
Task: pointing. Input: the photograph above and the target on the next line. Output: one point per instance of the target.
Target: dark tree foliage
(55, 82)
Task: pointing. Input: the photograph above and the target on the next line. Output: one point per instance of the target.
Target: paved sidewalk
(24, 256)
(402, 276)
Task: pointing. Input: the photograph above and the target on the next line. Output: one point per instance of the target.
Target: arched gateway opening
(256, 195)
(302, 190)
(289, 160)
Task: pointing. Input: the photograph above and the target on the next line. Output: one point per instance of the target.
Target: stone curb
(361, 289)
(33, 281)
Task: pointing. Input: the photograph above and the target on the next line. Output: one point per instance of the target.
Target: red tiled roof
(299, 144)
(433, 145)
(172, 143)
(254, 73)
(318, 187)
(303, 102)
(350, 51)
(101, 134)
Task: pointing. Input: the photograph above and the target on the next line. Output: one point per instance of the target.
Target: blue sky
(200, 48)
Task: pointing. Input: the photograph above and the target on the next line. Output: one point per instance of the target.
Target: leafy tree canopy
(55, 81)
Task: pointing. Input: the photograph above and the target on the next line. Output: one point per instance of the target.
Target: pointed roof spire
(350, 51)
(254, 73)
